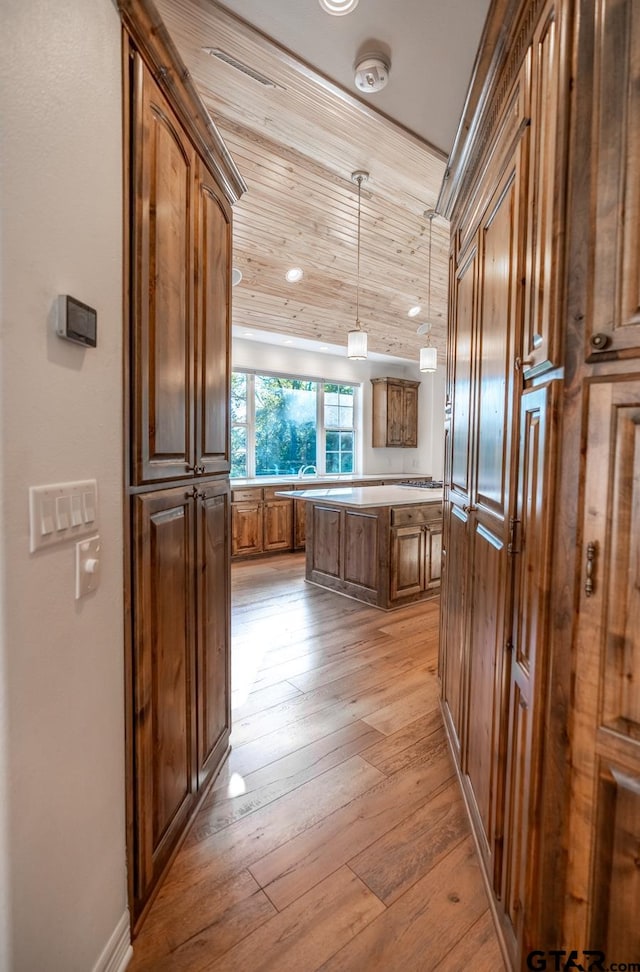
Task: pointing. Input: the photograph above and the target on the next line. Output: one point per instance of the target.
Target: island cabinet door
(408, 546)
(163, 679)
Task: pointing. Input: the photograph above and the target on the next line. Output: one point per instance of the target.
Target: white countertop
(363, 496)
(306, 482)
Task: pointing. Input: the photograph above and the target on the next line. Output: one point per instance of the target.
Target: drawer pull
(470, 508)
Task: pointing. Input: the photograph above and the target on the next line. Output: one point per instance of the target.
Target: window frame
(321, 430)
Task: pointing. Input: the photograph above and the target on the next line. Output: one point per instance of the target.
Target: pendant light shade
(357, 345)
(428, 355)
(428, 359)
(357, 338)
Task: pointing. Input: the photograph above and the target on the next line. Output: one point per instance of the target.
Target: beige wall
(428, 458)
(62, 833)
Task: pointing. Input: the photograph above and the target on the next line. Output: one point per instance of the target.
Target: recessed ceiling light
(323, 347)
(294, 274)
(248, 333)
(288, 341)
(338, 7)
(236, 276)
(414, 311)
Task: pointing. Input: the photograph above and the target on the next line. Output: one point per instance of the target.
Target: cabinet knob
(521, 363)
(591, 560)
(469, 509)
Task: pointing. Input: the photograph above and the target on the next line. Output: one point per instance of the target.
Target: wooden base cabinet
(540, 621)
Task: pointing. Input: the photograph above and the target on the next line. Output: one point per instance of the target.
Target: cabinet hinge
(512, 546)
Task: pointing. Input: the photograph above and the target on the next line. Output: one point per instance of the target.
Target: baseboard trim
(118, 952)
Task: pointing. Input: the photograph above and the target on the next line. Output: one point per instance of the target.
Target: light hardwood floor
(335, 836)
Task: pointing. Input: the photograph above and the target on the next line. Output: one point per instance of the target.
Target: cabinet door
(407, 562)
(433, 556)
(163, 673)
(213, 548)
(162, 259)
(213, 257)
(300, 524)
(614, 150)
(278, 525)
(604, 878)
(492, 502)
(529, 548)
(395, 414)
(246, 523)
(410, 420)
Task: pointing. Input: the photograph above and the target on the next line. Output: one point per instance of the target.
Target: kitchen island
(378, 544)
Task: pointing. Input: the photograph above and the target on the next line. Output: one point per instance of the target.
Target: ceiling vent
(240, 66)
(372, 73)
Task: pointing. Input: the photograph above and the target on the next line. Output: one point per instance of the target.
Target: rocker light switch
(62, 511)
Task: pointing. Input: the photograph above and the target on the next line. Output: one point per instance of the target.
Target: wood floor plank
(402, 856)
(422, 926)
(478, 949)
(298, 864)
(302, 937)
(228, 851)
(401, 712)
(273, 781)
(244, 706)
(403, 747)
(185, 930)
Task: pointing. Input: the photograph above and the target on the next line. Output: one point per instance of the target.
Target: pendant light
(428, 354)
(357, 338)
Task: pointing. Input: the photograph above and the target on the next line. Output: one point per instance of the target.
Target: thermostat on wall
(77, 321)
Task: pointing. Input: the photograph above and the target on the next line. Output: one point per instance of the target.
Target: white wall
(427, 459)
(62, 884)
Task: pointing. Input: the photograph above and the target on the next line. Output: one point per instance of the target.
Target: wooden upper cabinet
(613, 310)
(162, 264)
(213, 240)
(546, 191)
(395, 413)
(181, 267)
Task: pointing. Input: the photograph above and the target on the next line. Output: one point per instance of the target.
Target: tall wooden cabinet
(181, 184)
(394, 421)
(540, 633)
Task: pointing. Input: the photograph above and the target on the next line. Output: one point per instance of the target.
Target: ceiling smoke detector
(372, 73)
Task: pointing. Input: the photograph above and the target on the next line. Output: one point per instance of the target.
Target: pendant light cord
(430, 213)
(358, 260)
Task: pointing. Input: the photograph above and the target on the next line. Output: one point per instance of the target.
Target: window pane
(238, 450)
(346, 462)
(346, 417)
(333, 441)
(285, 425)
(346, 442)
(333, 462)
(238, 397)
(331, 416)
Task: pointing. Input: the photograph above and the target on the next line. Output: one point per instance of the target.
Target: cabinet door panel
(361, 555)
(607, 687)
(545, 202)
(453, 620)
(214, 716)
(164, 713)
(407, 561)
(615, 278)
(410, 419)
(462, 350)
(213, 342)
(163, 314)
(325, 524)
(433, 556)
(278, 525)
(395, 415)
(246, 528)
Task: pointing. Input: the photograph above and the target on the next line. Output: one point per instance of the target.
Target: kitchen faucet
(302, 470)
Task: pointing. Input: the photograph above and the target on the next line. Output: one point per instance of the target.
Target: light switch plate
(87, 565)
(62, 511)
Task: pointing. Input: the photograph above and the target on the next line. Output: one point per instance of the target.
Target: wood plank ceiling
(296, 143)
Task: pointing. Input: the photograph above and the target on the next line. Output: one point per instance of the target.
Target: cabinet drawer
(407, 515)
(270, 492)
(251, 494)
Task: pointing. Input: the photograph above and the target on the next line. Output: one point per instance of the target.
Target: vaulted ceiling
(296, 140)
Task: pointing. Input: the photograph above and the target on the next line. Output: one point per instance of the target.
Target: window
(279, 424)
